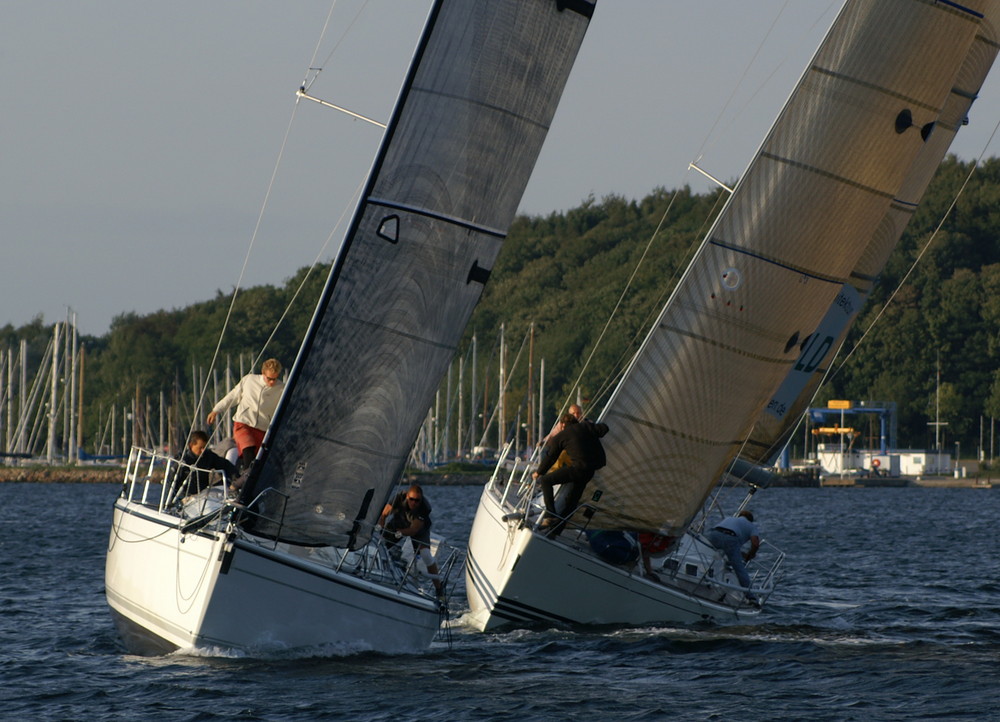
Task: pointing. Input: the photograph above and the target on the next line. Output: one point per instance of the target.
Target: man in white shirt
(255, 397)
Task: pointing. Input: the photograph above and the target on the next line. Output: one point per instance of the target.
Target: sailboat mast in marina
(739, 350)
(295, 561)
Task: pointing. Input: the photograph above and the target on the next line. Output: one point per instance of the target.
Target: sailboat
(294, 561)
(740, 347)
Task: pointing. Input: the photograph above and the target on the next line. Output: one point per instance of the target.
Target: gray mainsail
(793, 254)
(456, 157)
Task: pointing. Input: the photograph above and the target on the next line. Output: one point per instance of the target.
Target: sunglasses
(413, 498)
(272, 379)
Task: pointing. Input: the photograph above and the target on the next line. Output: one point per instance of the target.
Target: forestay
(447, 181)
(793, 254)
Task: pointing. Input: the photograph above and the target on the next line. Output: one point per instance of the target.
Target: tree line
(927, 340)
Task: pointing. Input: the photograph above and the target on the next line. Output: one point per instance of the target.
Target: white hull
(209, 589)
(515, 577)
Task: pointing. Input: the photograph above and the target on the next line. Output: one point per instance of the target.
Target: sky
(138, 140)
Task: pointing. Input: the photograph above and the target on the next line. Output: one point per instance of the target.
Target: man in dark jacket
(581, 440)
(409, 514)
(200, 461)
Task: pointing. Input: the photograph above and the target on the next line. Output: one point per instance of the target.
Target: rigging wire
(312, 74)
(737, 113)
(246, 260)
(307, 82)
(657, 306)
(613, 379)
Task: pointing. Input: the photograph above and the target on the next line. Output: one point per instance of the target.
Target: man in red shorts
(255, 397)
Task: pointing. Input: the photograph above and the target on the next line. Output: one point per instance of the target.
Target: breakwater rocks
(113, 475)
(62, 474)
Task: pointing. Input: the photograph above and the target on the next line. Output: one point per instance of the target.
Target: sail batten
(429, 213)
(811, 273)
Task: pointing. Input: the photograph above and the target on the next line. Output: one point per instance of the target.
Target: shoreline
(113, 475)
(40, 474)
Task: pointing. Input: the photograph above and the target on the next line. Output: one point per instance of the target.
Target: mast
(473, 436)
(447, 414)
(531, 392)
(459, 427)
(8, 436)
(53, 396)
(541, 401)
(79, 410)
(71, 405)
(501, 405)
(22, 407)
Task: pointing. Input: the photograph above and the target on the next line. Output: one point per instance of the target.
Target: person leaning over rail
(729, 536)
(255, 397)
(200, 461)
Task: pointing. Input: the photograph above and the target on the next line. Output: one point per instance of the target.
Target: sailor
(255, 397)
(729, 536)
(409, 514)
(200, 460)
(581, 440)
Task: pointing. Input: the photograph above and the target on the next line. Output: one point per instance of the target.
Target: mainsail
(796, 392)
(447, 181)
(734, 355)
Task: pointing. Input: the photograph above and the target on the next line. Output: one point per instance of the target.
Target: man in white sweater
(255, 397)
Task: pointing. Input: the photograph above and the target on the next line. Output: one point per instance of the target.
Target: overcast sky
(138, 139)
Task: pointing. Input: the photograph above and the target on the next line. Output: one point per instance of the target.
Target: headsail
(806, 231)
(447, 181)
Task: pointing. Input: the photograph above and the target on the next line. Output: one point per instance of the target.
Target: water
(889, 610)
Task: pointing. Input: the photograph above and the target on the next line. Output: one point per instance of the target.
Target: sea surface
(889, 609)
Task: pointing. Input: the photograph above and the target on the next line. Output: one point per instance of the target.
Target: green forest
(933, 350)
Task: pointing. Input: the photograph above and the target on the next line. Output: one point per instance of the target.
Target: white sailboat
(745, 338)
(297, 564)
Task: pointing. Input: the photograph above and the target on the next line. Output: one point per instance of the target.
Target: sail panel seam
(826, 174)
(727, 347)
(363, 449)
(497, 109)
(671, 432)
(877, 88)
(989, 41)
